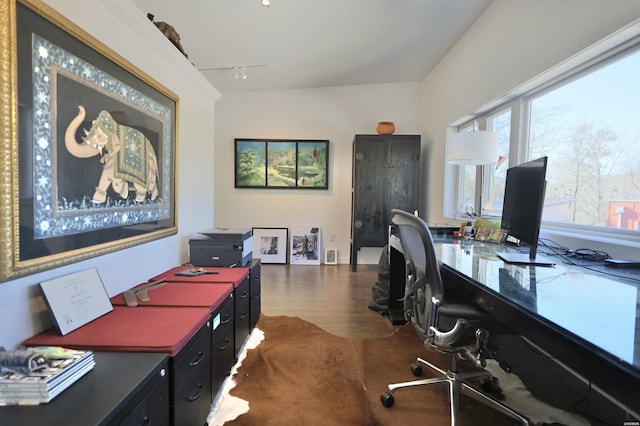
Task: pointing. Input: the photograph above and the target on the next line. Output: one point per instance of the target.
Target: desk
(123, 388)
(183, 333)
(588, 320)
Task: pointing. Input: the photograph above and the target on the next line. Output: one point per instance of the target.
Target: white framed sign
(76, 299)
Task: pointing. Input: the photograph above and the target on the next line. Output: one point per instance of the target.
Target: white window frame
(518, 100)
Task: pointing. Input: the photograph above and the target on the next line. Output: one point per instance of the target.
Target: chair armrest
(445, 339)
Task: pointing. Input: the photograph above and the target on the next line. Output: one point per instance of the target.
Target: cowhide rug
(293, 372)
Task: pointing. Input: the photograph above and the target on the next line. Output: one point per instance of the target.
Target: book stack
(39, 385)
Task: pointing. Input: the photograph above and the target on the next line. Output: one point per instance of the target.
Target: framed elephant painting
(91, 146)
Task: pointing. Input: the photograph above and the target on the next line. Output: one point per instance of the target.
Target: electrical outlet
(332, 237)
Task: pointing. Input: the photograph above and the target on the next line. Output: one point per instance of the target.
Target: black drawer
(154, 409)
(191, 380)
(223, 356)
(224, 314)
(254, 292)
(242, 315)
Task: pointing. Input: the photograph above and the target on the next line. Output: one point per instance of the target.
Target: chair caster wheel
(387, 399)
(416, 369)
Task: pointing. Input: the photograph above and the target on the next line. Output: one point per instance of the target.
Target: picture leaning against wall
(306, 243)
(270, 244)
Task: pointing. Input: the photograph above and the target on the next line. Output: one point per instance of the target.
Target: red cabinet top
(182, 294)
(128, 329)
(234, 276)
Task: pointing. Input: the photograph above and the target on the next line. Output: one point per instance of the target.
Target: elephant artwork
(127, 156)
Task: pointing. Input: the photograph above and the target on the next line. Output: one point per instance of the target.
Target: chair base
(458, 382)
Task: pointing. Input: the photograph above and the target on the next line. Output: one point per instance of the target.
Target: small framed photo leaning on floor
(331, 256)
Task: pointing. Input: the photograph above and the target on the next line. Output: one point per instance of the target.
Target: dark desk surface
(96, 397)
(587, 316)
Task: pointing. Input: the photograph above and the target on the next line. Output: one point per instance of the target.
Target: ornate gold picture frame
(87, 145)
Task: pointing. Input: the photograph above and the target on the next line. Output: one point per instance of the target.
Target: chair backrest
(423, 279)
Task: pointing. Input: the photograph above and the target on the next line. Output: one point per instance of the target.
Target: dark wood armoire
(386, 175)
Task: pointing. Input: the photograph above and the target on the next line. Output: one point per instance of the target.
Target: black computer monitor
(522, 210)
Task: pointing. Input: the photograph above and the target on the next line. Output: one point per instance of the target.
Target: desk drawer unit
(222, 344)
(191, 380)
(184, 333)
(220, 299)
(154, 409)
(255, 275)
(242, 316)
(239, 277)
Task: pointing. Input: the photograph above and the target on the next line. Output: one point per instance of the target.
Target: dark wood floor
(330, 296)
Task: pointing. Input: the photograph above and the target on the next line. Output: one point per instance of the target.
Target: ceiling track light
(239, 73)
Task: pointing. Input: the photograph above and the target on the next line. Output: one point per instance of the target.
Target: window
(497, 173)
(468, 181)
(486, 181)
(585, 121)
(589, 129)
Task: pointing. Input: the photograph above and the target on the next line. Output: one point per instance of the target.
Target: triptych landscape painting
(282, 164)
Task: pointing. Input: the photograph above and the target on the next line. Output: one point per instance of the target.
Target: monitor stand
(524, 259)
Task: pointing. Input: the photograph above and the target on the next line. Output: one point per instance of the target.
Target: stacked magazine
(38, 384)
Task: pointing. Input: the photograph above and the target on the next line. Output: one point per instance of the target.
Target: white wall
(125, 29)
(334, 113)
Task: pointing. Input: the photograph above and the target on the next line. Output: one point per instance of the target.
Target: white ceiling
(315, 43)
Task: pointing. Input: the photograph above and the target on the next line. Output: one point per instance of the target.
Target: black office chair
(453, 328)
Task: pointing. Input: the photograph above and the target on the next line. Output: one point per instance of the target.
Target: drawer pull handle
(226, 319)
(196, 396)
(198, 360)
(244, 315)
(225, 345)
(244, 295)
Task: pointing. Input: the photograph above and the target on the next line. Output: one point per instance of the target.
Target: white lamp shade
(472, 148)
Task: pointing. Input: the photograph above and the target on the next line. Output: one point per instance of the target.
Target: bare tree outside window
(588, 130)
